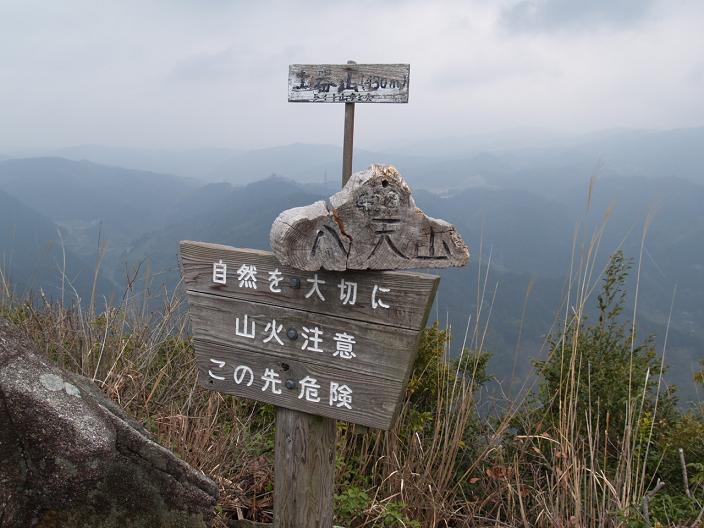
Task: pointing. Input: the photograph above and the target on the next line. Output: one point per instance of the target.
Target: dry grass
(457, 468)
(144, 362)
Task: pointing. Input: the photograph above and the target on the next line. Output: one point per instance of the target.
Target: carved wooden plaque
(372, 223)
(340, 345)
(348, 83)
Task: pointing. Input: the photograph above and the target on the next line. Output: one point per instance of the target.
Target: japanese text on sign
(310, 389)
(247, 279)
(348, 83)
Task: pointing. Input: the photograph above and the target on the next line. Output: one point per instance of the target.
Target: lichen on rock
(69, 457)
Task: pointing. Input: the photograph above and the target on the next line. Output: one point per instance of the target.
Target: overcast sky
(184, 73)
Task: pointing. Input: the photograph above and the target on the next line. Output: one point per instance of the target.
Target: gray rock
(71, 457)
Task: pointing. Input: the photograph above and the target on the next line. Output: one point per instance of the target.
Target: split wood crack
(371, 224)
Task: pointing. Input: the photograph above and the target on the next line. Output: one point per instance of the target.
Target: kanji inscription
(333, 344)
(348, 83)
(373, 223)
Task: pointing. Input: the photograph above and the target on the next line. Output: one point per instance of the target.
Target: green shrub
(598, 367)
(394, 516)
(351, 504)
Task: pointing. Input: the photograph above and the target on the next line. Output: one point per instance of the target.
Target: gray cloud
(217, 65)
(552, 15)
(193, 74)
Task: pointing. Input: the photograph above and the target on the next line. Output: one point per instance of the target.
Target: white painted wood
(373, 399)
(406, 298)
(375, 355)
(304, 329)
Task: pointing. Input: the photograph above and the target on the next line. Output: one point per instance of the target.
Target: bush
(598, 369)
(427, 452)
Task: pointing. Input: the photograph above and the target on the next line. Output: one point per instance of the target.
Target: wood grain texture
(409, 297)
(372, 224)
(379, 351)
(374, 399)
(348, 143)
(304, 470)
(348, 83)
(233, 356)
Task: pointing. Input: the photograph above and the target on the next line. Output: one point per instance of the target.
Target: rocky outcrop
(69, 457)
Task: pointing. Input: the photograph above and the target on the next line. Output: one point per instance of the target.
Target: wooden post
(348, 140)
(240, 347)
(304, 471)
(384, 326)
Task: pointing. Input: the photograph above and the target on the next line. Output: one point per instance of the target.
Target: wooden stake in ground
(304, 471)
(322, 345)
(304, 468)
(348, 141)
(312, 500)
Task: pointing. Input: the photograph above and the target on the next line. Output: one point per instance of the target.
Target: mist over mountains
(519, 206)
(35, 257)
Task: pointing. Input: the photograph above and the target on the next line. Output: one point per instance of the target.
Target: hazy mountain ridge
(33, 255)
(650, 154)
(93, 202)
(188, 163)
(523, 216)
(528, 159)
(243, 219)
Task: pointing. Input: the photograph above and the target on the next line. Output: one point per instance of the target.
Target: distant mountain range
(34, 257)
(521, 206)
(527, 158)
(189, 163)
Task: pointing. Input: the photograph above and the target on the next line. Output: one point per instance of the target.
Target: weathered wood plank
(408, 298)
(371, 224)
(373, 399)
(348, 356)
(304, 470)
(348, 143)
(367, 349)
(348, 83)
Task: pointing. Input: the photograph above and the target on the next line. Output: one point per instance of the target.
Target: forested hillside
(527, 215)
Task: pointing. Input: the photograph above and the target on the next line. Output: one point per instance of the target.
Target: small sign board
(348, 83)
(335, 344)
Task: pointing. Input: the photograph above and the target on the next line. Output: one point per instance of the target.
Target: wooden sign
(372, 223)
(348, 83)
(339, 345)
